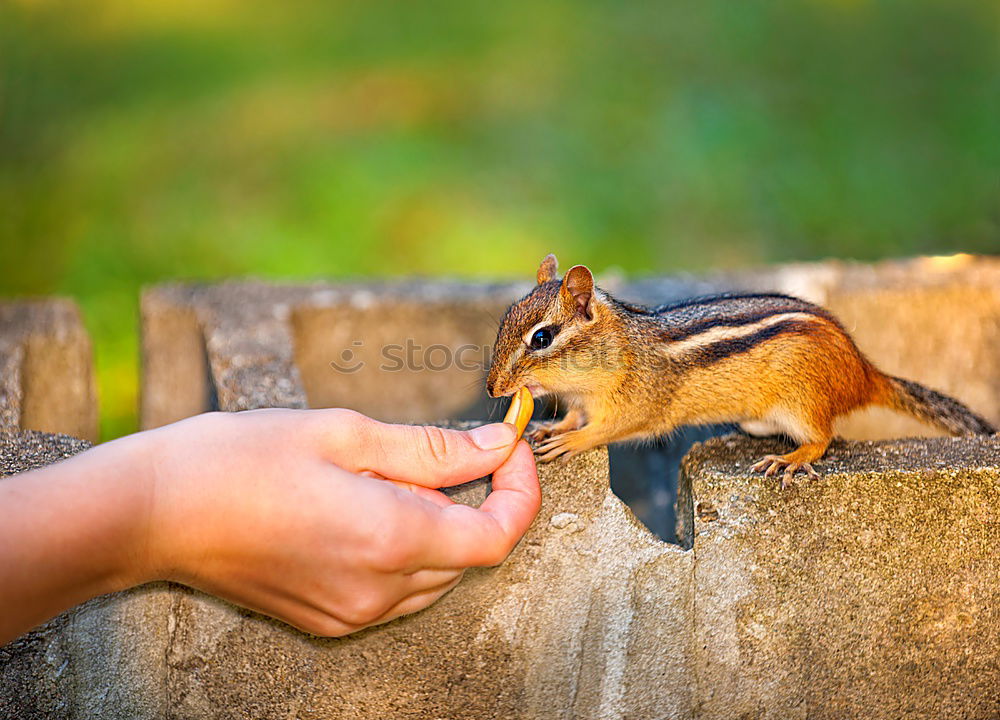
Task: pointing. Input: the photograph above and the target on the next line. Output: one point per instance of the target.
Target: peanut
(519, 412)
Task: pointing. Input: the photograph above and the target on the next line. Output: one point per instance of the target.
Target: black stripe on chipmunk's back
(726, 320)
(696, 315)
(722, 349)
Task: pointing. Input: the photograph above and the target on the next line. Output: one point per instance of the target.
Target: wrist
(127, 485)
(174, 483)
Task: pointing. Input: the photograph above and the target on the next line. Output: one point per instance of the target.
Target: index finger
(468, 536)
(419, 454)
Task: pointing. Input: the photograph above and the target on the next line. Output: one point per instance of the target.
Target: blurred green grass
(147, 142)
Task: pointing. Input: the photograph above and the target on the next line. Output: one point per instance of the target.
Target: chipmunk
(775, 364)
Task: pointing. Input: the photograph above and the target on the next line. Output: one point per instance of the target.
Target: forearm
(72, 531)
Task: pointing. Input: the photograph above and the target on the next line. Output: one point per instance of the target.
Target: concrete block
(175, 381)
(873, 592)
(48, 377)
(11, 388)
(412, 351)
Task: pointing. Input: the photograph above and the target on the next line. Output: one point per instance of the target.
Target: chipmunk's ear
(548, 269)
(577, 291)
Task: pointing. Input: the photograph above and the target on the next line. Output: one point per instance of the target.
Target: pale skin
(325, 519)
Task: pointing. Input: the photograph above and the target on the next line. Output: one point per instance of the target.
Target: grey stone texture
(411, 351)
(46, 368)
(29, 449)
(873, 592)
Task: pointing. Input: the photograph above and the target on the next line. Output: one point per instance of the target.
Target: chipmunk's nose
(491, 389)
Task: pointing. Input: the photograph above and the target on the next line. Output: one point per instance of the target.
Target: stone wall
(46, 369)
(240, 345)
(872, 592)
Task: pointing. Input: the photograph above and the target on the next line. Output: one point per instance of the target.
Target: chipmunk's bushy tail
(935, 408)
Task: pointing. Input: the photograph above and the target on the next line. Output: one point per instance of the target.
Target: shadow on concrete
(645, 476)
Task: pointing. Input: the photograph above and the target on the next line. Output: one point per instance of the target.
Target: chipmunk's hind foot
(770, 465)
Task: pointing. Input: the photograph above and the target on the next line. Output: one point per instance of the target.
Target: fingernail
(493, 437)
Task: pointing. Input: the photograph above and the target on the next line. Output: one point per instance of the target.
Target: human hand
(327, 519)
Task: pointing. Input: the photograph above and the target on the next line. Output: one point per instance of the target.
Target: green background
(141, 142)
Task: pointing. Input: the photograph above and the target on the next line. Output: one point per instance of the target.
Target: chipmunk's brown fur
(773, 363)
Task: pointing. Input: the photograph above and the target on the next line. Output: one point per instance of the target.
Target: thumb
(428, 455)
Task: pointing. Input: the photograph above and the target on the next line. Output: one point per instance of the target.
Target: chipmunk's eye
(541, 338)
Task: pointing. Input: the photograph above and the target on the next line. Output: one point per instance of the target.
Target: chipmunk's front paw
(770, 465)
(566, 445)
(539, 431)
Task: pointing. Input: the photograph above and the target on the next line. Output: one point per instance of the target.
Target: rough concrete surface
(873, 592)
(29, 449)
(11, 392)
(869, 593)
(48, 378)
(396, 351)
